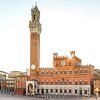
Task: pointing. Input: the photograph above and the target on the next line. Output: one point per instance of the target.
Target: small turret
(55, 55)
(72, 53)
(34, 24)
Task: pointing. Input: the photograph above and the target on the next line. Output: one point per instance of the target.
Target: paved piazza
(15, 97)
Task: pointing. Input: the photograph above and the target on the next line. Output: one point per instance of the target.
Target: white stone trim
(65, 87)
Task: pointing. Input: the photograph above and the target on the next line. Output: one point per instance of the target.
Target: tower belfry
(35, 30)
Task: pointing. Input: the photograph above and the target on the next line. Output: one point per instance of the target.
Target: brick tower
(35, 30)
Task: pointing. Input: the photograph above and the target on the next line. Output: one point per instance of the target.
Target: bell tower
(35, 30)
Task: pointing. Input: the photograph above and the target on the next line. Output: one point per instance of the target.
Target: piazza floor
(19, 97)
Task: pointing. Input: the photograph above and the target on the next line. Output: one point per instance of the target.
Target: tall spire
(36, 6)
(36, 3)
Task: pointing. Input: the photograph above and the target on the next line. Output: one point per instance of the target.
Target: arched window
(46, 72)
(56, 82)
(65, 82)
(34, 17)
(85, 83)
(70, 72)
(51, 73)
(76, 82)
(61, 72)
(56, 72)
(70, 83)
(65, 72)
(42, 72)
(51, 82)
(81, 71)
(76, 71)
(86, 71)
(80, 83)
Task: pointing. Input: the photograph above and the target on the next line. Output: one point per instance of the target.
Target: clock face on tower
(33, 66)
(63, 63)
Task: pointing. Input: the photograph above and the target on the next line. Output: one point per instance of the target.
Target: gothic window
(85, 83)
(76, 72)
(80, 82)
(65, 72)
(63, 81)
(86, 71)
(70, 83)
(51, 73)
(81, 71)
(60, 82)
(42, 82)
(70, 72)
(56, 72)
(56, 82)
(51, 82)
(61, 72)
(76, 83)
(42, 72)
(66, 82)
(46, 72)
(47, 82)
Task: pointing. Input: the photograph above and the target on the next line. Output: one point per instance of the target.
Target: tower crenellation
(56, 56)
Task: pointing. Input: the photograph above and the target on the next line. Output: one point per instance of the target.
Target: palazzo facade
(67, 76)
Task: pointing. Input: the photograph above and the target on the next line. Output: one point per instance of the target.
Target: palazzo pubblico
(67, 76)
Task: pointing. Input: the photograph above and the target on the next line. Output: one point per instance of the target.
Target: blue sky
(66, 25)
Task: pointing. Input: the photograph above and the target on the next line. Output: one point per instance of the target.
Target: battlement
(88, 65)
(56, 56)
(46, 68)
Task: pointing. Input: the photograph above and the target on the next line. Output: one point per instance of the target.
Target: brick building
(67, 76)
(96, 81)
(3, 77)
